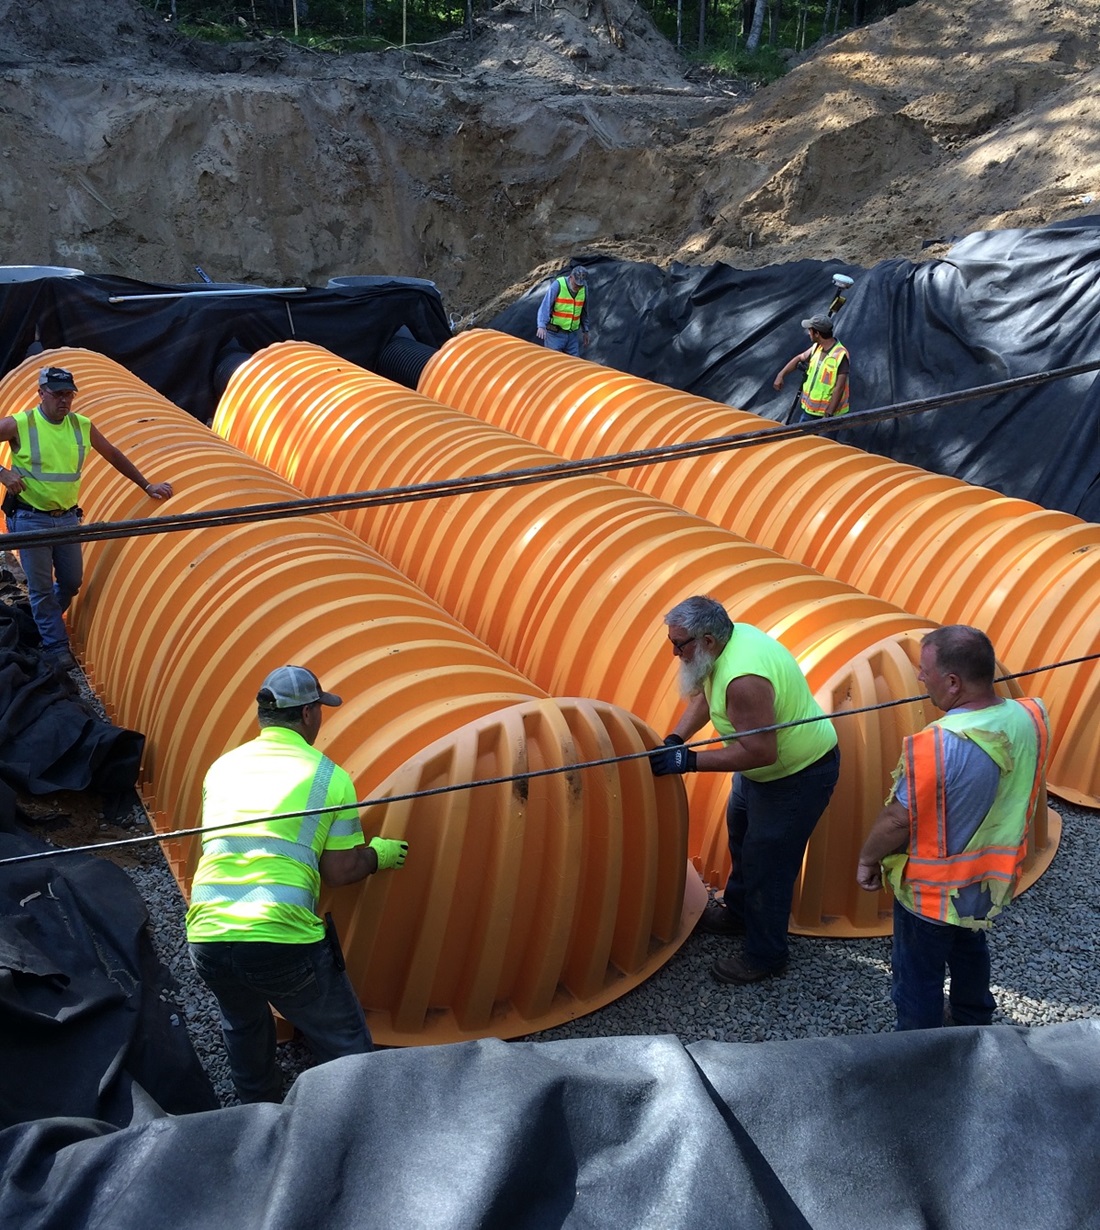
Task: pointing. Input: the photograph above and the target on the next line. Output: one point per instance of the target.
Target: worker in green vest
(825, 388)
(563, 313)
(49, 445)
(253, 929)
(952, 838)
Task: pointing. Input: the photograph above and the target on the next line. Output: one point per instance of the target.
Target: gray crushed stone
(1042, 951)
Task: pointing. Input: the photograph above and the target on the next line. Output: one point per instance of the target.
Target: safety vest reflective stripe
(50, 463)
(345, 828)
(251, 894)
(930, 873)
(998, 863)
(1042, 730)
(567, 308)
(817, 389)
(258, 845)
(317, 792)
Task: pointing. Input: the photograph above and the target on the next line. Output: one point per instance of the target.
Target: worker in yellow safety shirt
(254, 934)
(825, 388)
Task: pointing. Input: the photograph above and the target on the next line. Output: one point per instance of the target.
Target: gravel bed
(1042, 948)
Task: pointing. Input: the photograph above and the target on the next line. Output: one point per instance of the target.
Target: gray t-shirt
(971, 777)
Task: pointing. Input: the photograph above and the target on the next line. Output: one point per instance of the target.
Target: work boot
(61, 658)
(716, 919)
(738, 971)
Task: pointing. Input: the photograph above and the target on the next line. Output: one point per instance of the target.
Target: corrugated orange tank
(937, 546)
(570, 580)
(523, 903)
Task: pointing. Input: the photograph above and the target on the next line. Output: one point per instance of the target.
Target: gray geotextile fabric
(944, 1128)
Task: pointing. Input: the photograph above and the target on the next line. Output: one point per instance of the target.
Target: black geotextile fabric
(185, 346)
(49, 737)
(942, 1128)
(87, 1028)
(1000, 304)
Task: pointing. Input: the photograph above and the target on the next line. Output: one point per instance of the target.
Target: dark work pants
(922, 953)
(302, 982)
(769, 824)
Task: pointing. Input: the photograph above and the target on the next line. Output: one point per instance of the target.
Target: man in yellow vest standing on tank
(952, 837)
(825, 388)
(563, 313)
(742, 680)
(49, 445)
(253, 929)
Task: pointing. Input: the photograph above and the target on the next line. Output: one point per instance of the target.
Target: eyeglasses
(678, 647)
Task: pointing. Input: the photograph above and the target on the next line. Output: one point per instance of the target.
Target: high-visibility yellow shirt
(261, 881)
(50, 458)
(749, 651)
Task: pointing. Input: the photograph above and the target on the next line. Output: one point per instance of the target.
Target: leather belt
(46, 512)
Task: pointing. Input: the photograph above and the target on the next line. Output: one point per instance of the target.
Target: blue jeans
(303, 983)
(769, 824)
(53, 574)
(922, 952)
(567, 343)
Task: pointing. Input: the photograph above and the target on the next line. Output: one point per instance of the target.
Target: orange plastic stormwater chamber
(942, 548)
(570, 581)
(523, 904)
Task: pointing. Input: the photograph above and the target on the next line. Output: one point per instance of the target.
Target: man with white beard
(743, 680)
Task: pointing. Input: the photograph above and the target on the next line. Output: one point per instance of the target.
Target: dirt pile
(554, 130)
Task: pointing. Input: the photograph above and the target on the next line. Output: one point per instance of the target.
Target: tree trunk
(702, 24)
(753, 41)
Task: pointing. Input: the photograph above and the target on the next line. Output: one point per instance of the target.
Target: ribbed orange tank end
(523, 904)
(570, 581)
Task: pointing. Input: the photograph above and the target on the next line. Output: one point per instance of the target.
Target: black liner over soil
(1001, 304)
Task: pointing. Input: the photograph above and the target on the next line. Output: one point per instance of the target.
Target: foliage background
(715, 32)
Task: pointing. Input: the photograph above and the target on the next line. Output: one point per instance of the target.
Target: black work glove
(675, 758)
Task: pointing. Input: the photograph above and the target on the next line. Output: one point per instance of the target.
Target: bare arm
(123, 464)
(888, 835)
(9, 434)
(750, 704)
(340, 867)
(786, 370)
(839, 390)
(694, 717)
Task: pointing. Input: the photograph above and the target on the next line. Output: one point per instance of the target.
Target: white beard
(694, 673)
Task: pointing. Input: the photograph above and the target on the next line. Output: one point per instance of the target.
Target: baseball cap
(579, 274)
(56, 379)
(823, 324)
(290, 687)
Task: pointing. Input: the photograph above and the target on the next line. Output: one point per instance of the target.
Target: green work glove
(390, 853)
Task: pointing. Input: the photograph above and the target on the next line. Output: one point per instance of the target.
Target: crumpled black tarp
(49, 738)
(87, 1028)
(185, 346)
(1000, 304)
(940, 1128)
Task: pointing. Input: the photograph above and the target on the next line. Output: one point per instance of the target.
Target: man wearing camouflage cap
(253, 929)
(49, 444)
